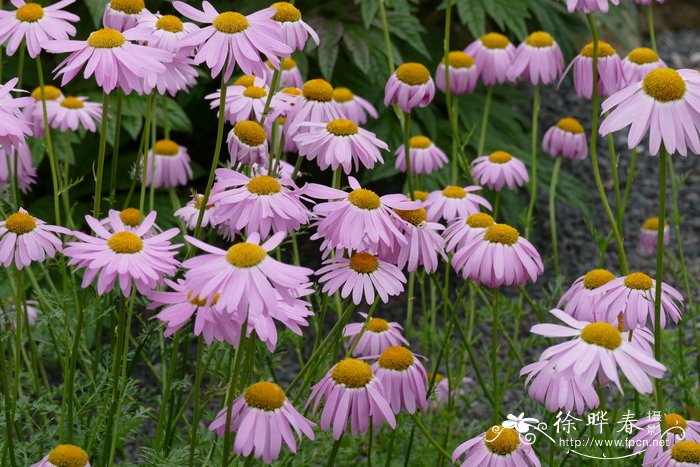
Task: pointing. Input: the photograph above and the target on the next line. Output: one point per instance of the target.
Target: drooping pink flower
(189, 213)
(463, 230)
(537, 59)
(499, 446)
(566, 139)
(65, 454)
(263, 419)
(610, 76)
(649, 439)
(168, 165)
(352, 106)
(453, 202)
(131, 220)
(378, 336)
(25, 239)
(464, 73)
(442, 388)
(73, 112)
(649, 235)
(581, 300)
(166, 30)
(245, 99)
(638, 63)
(295, 31)
(410, 86)
(247, 143)
(34, 113)
(493, 54)
(290, 75)
(179, 75)
(590, 6)
(123, 14)
(315, 104)
(9, 313)
(499, 169)
(423, 242)
(26, 172)
(558, 390)
(404, 378)
(14, 128)
(425, 156)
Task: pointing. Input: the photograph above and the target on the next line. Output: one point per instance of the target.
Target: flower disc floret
(413, 74)
(364, 199)
(29, 12)
(419, 142)
(342, 94)
(125, 243)
(494, 40)
(364, 263)
(500, 157)
(250, 132)
(456, 192)
(675, 423)
(378, 325)
(20, 223)
(603, 335)
(597, 278)
(396, 358)
(413, 216)
(479, 220)
(502, 441)
(342, 127)
(638, 281)
(686, 451)
(286, 12)
(539, 39)
(230, 22)
(265, 396)
(352, 373)
(72, 102)
(106, 38)
(664, 85)
(458, 59)
(51, 93)
(643, 56)
(288, 63)
(570, 125)
(263, 185)
(420, 195)
(652, 223)
(166, 147)
(604, 50)
(254, 92)
(68, 455)
(130, 217)
(245, 81)
(317, 90)
(130, 7)
(245, 255)
(502, 233)
(170, 23)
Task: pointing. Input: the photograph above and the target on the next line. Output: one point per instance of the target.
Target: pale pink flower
(290, 75)
(590, 6)
(649, 235)
(34, 113)
(243, 103)
(463, 230)
(14, 128)
(649, 438)
(73, 112)
(189, 213)
(638, 63)
(123, 14)
(581, 300)
(537, 59)
(295, 31)
(442, 388)
(610, 76)
(499, 169)
(410, 86)
(464, 73)
(682, 454)
(566, 139)
(131, 220)
(25, 239)
(26, 172)
(352, 106)
(315, 104)
(179, 75)
(453, 202)
(378, 336)
(65, 454)
(166, 30)
(499, 446)
(558, 390)
(425, 156)
(423, 242)
(30, 306)
(168, 165)
(493, 54)
(247, 143)
(404, 378)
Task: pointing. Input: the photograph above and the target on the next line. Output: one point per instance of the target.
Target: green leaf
(369, 10)
(358, 49)
(96, 9)
(330, 34)
(409, 29)
(472, 14)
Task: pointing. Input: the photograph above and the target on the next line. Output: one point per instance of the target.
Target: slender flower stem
(273, 89)
(101, 156)
(8, 404)
(407, 153)
(616, 181)
(496, 205)
(429, 437)
(553, 213)
(494, 355)
(659, 273)
(232, 391)
(199, 371)
(364, 326)
(115, 149)
(450, 99)
(485, 121)
(49, 145)
(71, 371)
(146, 161)
(631, 172)
(652, 32)
(387, 37)
(409, 304)
(336, 444)
(533, 154)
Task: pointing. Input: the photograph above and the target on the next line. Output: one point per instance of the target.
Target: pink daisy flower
(462, 231)
(314, 105)
(166, 30)
(113, 57)
(649, 438)
(683, 454)
(493, 54)
(24, 239)
(131, 219)
(340, 143)
(34, 113)
(14, 128)
(125, 255)
(633, 296)
(357, 221)
(581, 300)
(74, 112)
(464, 73)
(649, 234)
(638, 63)
(363, 274)
(26, 172)
(501, 257)
(263, 408)
(423, 241)
(295, 31)
(410, 86)
(598, 349)
(262, 204)
(64, 454)
(352, 106)
(247, 143)
(499, 446)
(537, 59)
(379, 335)
(232, 39)
(190, 212)
(442, 388)
(123, 14)
(30, 306)
(610, 76)
(290, 75)
(404, 378)
(558, 390)
(36, 25)
(499, 169)
(566, 139)
(426, 157)
(590, 6)
(180, 75)
(246, 96)
(351, 395)
(664, 105)
(453, 202)
(168, 165)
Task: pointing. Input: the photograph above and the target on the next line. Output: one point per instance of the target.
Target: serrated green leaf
(369, 9)
(358, 49)
(472, 14)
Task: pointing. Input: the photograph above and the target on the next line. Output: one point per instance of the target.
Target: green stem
(553, 214)
(631, 172)
(101, 156)
(616, 181)
(166, 118)
(364, 326)
(49, 145)
(533, 154)
(9, 403)
(336, 444)
(496, 205)
(659, 273)
(409, 304)
(485, 121)
(494, 355)
(387, 38)
(71, 371)
(197, 406)
(652, 32)
(115, 149)
(146, 161)
(430, 438)
(407, 153)
(232, 390)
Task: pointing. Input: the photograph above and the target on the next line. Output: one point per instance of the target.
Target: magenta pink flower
(245, 99)
(34, 113)
(295, 31)
(410, 86)
(130, 221)
(499, 169)
(378, 336)
(462, 231)
(363, 274)
(26, 172)
(610, 76)
(500, 257)
(590, 6)
(340, 143)
(682, 454)
(73, 112)
(179, 75)
(663, 105)
(189, 213)
(423, 242)
(581, 301)
(499, 446)
(113, 57)
(352, 106)
(315, 104)
(426, 157)
(537, 59)
(166, 30)
(168, 165)
(36, 25)
(649, 438)
(649, 234)
(64, 454)
(14, 128)
(464, 73)
(453, 202)
(404, 379)
(352, 395)
(290, 75)
(24, 239)
(232, 39)
(262, 204)
(247, 143)
(126, 255)
(558, 390)
(638, 63)
(493, 54)
(123, 14)
(566, 139)
(263, 419)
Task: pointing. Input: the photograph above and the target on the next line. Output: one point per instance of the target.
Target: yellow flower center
(249, 132)
(166, 147)
(364, 263)
(245, 81)
(413, 216)
(130, 217)
(317, 90)
(125, 242)
(501, 233)
(494, 40)
(675, 423)
(502, 441)
(198, 203)
(638, 281)
(130, 7)
(352, 373)
(230, 22)
(396, 358)
(265, 396)
(642, 56)
(438, 377)
(597, 278)
(458, 59)
(20, 223)
(480, 220)
(72, 102)
(419, 142)
(342, 127)
(604, 49)
(364, 199)
(263, 185)
(106, 38)
(603, 335)
(664, 85)
(292, 91)
(420, 195)
(29, 12)
(254, 92)
(456, 192)
(170, 23)
(539, 39)
(288, 63)
(686, 451)
(245, 255)
(342, 94)
(51, 93)
(570, 125)
(500, 157)
(67, 455)
(378, 325)
(413, 74)
(652, 223)
(201, 301)
(286, 12)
